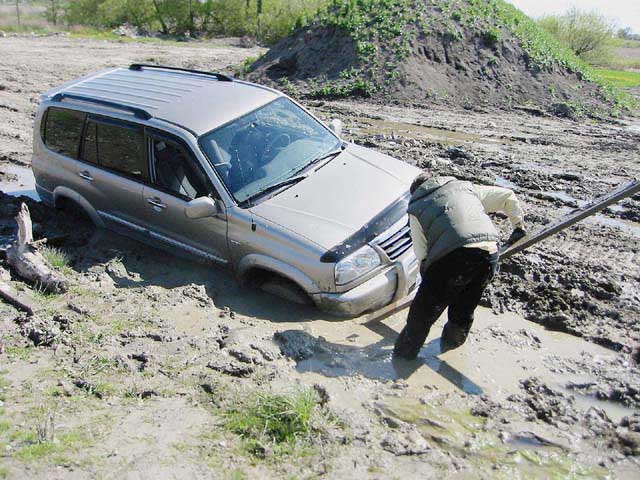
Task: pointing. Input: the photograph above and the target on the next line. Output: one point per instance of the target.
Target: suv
(233, 173)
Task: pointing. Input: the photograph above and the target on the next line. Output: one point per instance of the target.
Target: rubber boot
(453, 336)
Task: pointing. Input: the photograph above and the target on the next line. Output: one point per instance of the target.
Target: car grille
(397, 243)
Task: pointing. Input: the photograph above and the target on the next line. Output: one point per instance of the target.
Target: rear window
(117, 147)
(62, 131)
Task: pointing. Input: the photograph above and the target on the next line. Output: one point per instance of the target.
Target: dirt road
(134, 372)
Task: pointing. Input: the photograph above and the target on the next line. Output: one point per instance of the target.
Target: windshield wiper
(275, 186)
(332, 154)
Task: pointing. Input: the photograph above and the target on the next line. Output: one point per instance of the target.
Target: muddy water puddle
(629, 227)
(17, 180)
(515, 450)
(421, 132)
(501, 351)
(503, 182)
(634, 127)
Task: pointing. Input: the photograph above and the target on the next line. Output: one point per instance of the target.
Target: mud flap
(572, 218)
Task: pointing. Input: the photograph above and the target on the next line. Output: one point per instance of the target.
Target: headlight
(356, 265)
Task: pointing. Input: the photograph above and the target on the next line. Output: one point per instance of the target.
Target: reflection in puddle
(631, 228)
(563, 197)
(19, 181)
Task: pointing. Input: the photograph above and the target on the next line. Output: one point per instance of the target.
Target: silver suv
(233, 173)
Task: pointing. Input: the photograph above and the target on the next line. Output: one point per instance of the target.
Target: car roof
(196, 101)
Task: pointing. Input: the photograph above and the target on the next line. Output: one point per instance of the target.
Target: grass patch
(20, 353)
(56, 258)
(277, 421)
(4, 385)
(56, 449)
(43, 297)
(620, 78)
(4, 426)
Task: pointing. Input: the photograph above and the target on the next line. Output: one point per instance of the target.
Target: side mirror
(335, 126)
(201, 207)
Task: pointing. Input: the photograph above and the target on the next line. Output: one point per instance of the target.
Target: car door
(114, 168)
(177, 178)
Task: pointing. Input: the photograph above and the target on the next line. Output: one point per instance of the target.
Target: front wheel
(286, 289)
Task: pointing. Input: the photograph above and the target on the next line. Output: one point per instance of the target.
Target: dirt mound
(473, 53)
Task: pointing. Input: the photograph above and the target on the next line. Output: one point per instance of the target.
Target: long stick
(574, 217)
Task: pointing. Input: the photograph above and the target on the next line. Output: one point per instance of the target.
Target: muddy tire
(286, 289)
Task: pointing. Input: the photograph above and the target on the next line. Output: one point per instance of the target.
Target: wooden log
(13, 297)
(23, 256)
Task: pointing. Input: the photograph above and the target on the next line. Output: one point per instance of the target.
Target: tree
(53, 11)
(18, 12)
(625, 33)
(160, 18)
(586, 33)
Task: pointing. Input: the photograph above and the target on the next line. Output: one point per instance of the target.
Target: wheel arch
(65, 194)
(253, 264)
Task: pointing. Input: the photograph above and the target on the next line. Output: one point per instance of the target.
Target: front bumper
(388, 286)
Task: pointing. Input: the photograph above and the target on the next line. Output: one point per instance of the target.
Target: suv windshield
(266, 147)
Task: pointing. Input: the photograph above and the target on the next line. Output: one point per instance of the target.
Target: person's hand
(516, 235)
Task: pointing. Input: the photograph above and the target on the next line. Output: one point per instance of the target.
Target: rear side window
(62, 131)
(117, 147)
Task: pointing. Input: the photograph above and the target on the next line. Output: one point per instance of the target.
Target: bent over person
(457, 245)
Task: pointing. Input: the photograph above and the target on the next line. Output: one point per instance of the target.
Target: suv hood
(341, 198)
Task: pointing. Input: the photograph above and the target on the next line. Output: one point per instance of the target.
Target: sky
(626, 13)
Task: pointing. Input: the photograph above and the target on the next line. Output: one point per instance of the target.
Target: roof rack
(138, 112)
(220, 76)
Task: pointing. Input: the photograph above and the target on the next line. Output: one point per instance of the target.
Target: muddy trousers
(456, 281)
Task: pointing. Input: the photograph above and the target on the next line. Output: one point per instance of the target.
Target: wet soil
(128, 374)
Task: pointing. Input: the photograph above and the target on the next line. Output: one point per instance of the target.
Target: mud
(130, 372)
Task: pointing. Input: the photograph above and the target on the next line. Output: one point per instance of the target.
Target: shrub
(588, 34)
(492, 36)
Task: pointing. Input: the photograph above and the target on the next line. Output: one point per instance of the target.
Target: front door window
(176, 172)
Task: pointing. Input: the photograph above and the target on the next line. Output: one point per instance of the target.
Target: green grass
(44, 298)
(622, 43)
(4, 472)
(283, 421)
(16, 352)
(4, 426)
(56, 257)
(619, 78)
(65, 442)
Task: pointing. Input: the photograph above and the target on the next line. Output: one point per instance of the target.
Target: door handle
(86, 175)
(156, 202)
